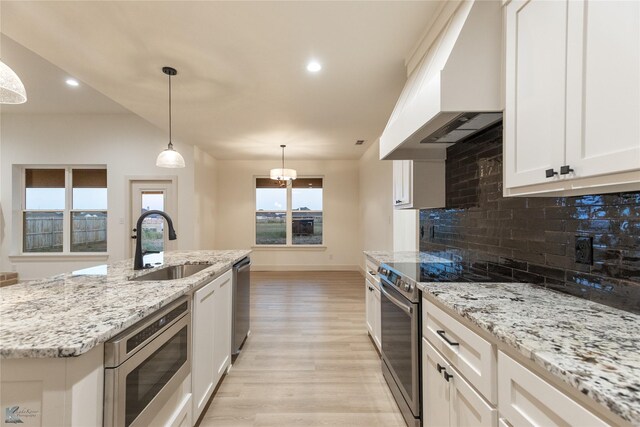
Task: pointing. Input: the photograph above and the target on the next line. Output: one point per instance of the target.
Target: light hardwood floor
(308, 361)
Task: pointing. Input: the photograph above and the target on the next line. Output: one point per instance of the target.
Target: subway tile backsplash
(533, 239)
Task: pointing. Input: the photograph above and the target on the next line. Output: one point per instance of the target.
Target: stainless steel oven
(146, 364)
(400, 326)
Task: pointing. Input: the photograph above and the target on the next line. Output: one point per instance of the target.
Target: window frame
(67, 212)
(289, 217)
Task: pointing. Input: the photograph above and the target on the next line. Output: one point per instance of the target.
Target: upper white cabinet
(418, 184)
(572, 97)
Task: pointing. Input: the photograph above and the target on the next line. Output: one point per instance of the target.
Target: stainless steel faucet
(138, 263)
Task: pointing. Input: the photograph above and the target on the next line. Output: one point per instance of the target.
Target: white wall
(236, 215)
(128, 146)
(406, 223)
(376, 208)
(205, 203)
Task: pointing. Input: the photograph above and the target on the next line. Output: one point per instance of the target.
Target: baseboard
(315, 267)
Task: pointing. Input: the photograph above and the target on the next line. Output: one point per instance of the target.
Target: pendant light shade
(11, 88)
(170, 158)
(282, 174)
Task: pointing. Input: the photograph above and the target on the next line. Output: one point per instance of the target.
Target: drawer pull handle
(451, 343)
(439, 368)
(565, 170)
(447, 376)
(550, 173)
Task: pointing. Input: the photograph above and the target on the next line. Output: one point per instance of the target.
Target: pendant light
(282, 174)
(170, 158)
(11, 88)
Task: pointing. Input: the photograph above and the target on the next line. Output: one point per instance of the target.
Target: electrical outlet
(584, 250)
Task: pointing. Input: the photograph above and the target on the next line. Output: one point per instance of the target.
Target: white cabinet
(222, 326)
(527, 400)
(572, 97)
(372, 302)
(471, 354)
(448, 400)
(418, 184)
(211, 352)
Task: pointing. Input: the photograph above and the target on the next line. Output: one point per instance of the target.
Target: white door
(536, 49)
(468, 408)
(222, 325)
(203, 375)
(402, 170)
(436, 391)
(152, 195)
(603, 77)
(369, 301)
(377, 323)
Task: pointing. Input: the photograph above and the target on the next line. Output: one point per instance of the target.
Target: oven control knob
(407, 287)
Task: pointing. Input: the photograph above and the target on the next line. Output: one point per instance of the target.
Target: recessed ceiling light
(72, 82)
(314, 66)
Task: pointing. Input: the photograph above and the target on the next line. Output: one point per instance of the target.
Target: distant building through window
(291, 214)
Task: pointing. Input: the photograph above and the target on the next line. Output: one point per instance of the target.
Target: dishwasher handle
(242, 264)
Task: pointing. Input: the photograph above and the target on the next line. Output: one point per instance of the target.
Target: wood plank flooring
(308, 361)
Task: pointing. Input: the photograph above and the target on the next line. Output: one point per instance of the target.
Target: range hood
(454, 89)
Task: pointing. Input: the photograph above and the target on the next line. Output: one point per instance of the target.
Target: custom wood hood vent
(453, 89)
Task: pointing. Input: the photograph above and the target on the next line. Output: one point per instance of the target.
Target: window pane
(44, 199)
(271, 228)
(153, 234)
(152, 201)
(307, 228)
(306, 199)
(42, 232)
(271, 199)
(89, 198)
(88, 232)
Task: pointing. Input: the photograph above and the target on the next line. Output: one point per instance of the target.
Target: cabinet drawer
(371, 272)
(525, 399)
(473, 356)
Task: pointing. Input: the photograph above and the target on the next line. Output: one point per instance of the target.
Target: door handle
(439, 368)
(447, 376)
(442, 335)
(550, 173)
(565, 170)
(396, 302)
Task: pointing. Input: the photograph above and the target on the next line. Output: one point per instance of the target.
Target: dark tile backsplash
(533, 239)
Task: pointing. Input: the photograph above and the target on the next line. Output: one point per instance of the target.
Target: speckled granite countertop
(590, 346)
(403, 256)
(69, 314)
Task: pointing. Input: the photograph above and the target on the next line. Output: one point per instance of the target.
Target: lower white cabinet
(372, 301)
(525, 399)
(449, 400)
(211, 353)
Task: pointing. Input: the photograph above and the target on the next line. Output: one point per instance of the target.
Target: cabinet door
(536, 49)
(203, 371)
(525, 399)
(603, 93)
(468, 408)
(222, 325)
(402, 174)
(377, 323)
(368, 295)
(436, 391)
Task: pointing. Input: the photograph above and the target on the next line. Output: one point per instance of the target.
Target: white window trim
(66, 253)
(289, 219)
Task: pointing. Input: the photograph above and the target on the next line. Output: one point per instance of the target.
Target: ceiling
(242, 88)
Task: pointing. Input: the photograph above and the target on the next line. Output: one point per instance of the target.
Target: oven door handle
(397, 302)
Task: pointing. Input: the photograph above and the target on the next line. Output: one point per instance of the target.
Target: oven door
(139, 387)
(400, 324)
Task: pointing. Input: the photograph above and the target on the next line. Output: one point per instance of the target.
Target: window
(289, 215)
(65, 210)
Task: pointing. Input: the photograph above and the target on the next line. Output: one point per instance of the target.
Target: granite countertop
(69, 314)
(590, 346)
(403, 256)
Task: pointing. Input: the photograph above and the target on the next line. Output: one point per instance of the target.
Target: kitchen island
(52, 333)
(585, 350)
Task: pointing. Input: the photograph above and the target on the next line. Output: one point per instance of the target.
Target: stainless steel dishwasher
(241, 303)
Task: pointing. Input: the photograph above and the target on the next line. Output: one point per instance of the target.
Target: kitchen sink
(172, 273)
